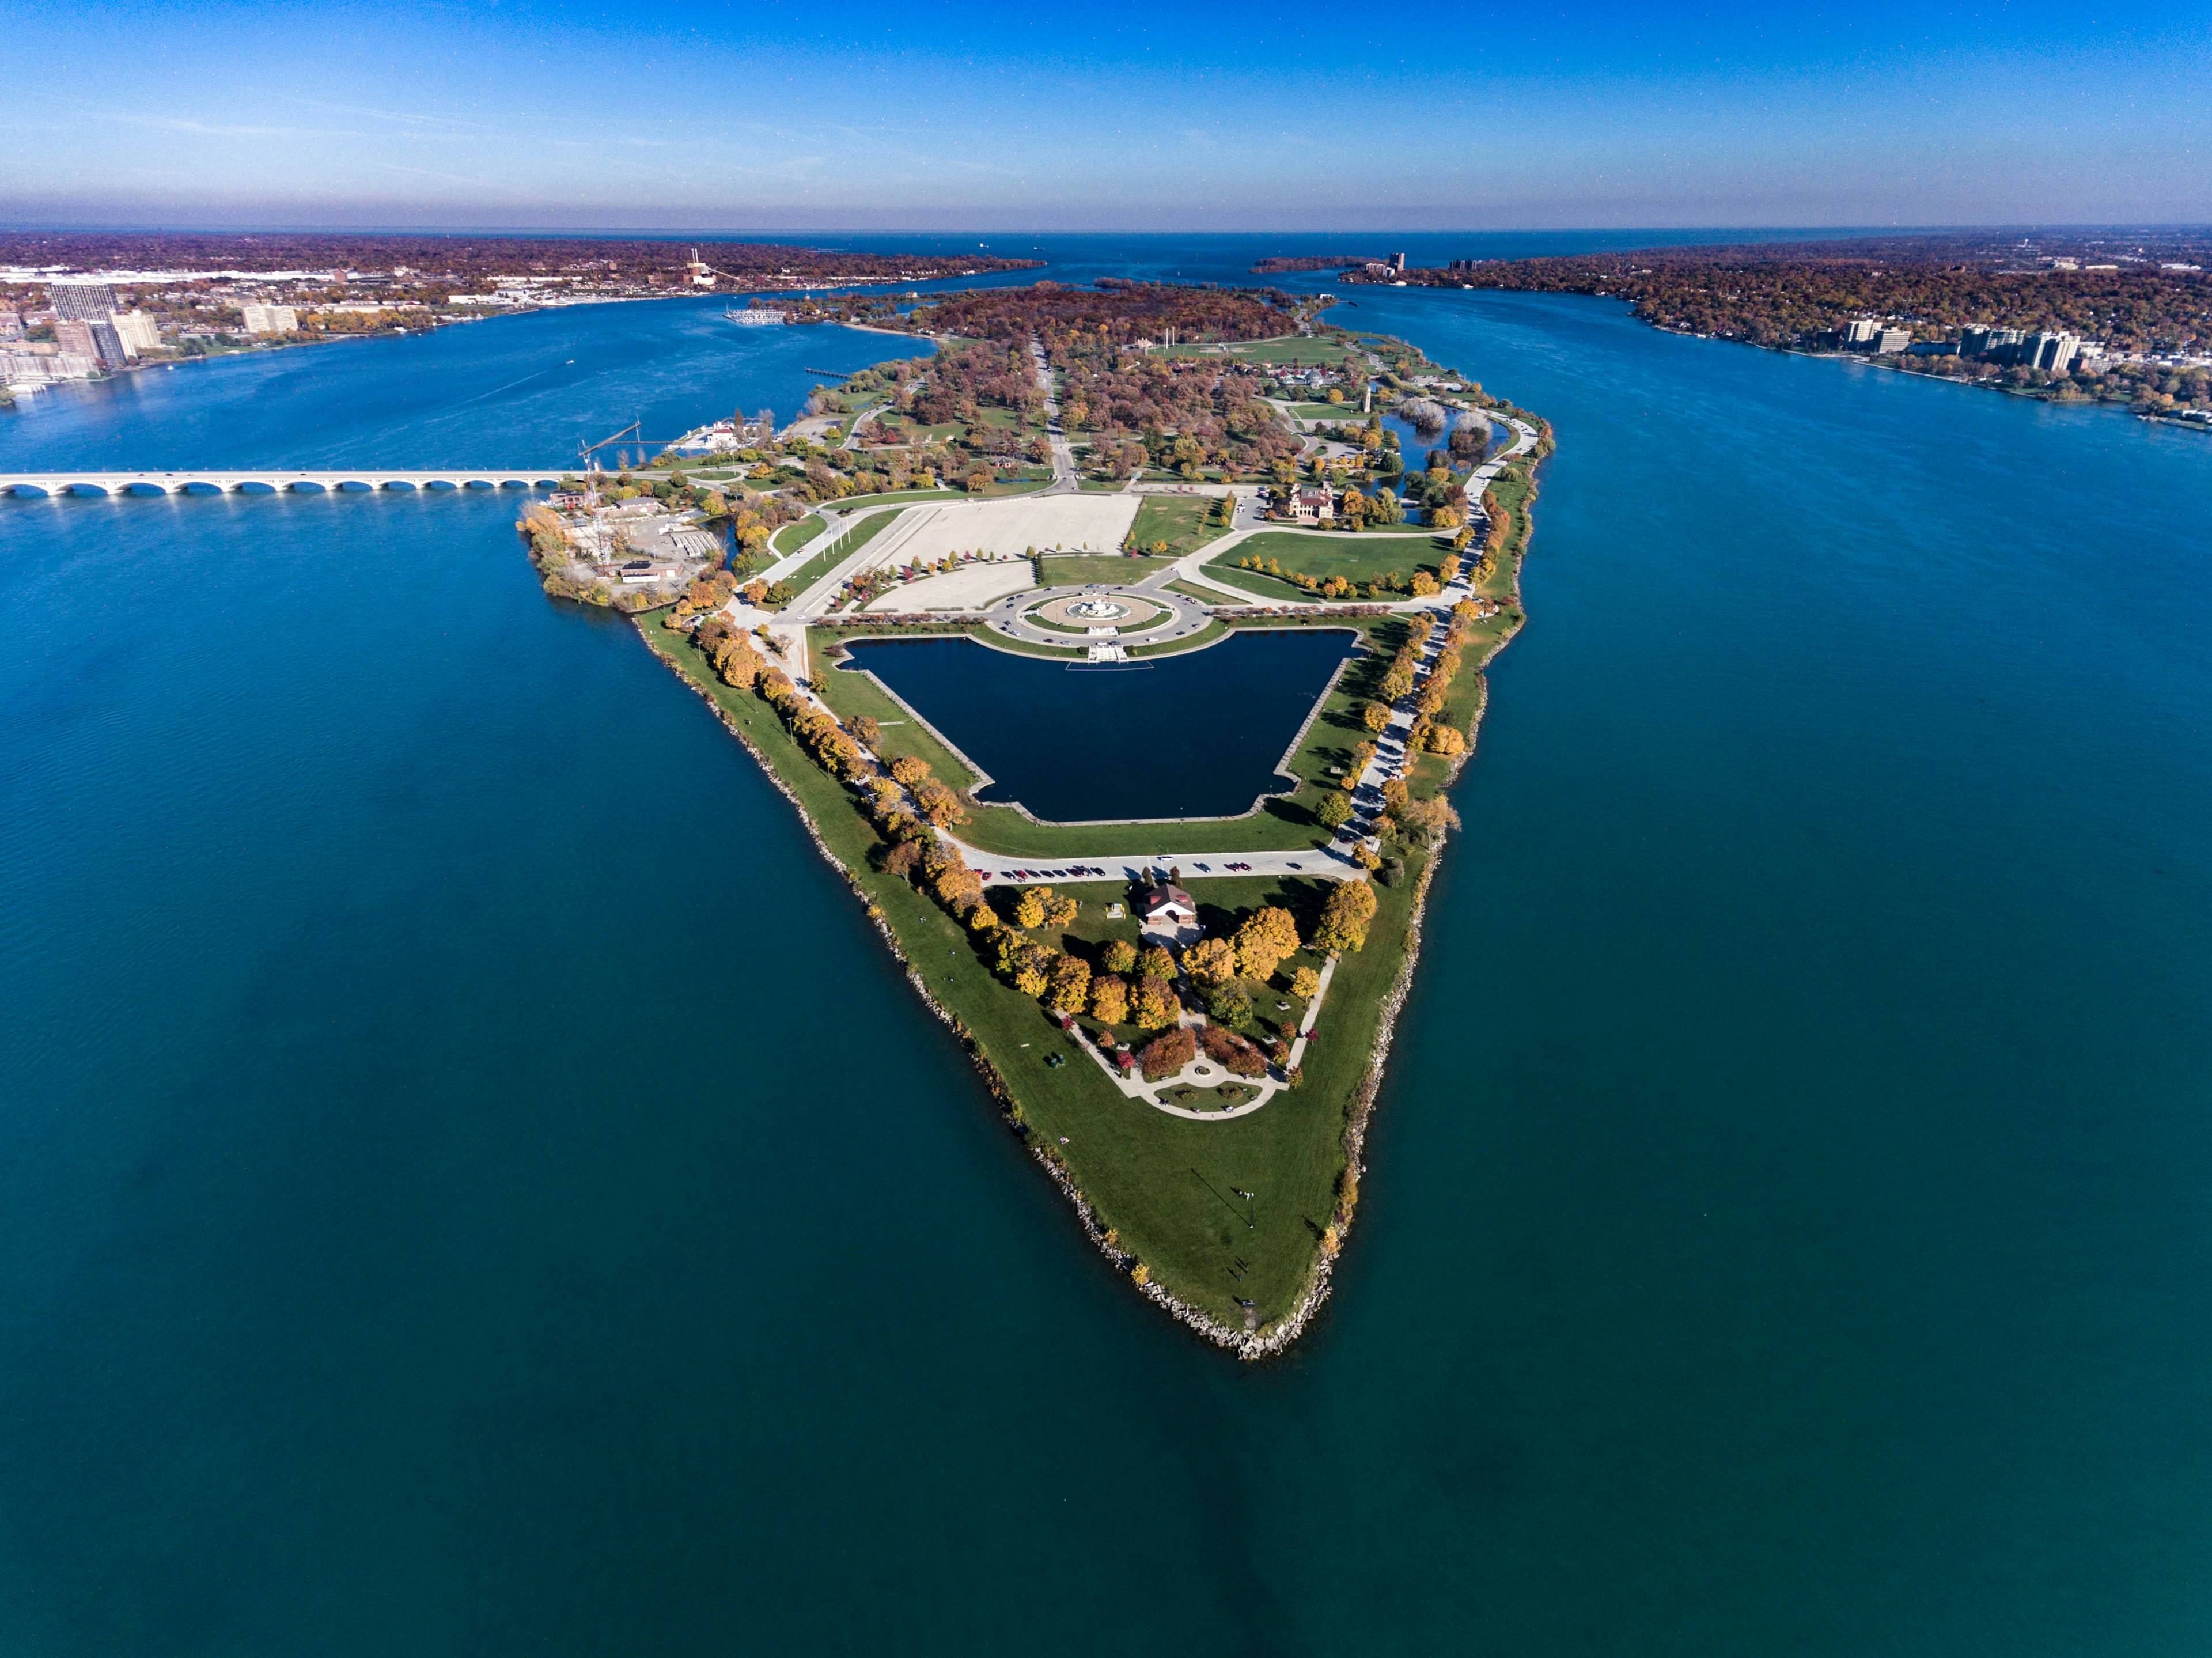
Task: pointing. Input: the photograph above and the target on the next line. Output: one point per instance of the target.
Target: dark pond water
(1195, 736)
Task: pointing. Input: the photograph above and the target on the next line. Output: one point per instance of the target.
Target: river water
(470, 1180)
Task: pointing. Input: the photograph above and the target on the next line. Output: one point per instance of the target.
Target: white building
(139, 334)
(271, 319)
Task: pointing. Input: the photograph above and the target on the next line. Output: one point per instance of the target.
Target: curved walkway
(1184, 616)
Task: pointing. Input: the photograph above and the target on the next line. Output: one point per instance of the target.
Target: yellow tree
(1154, 1007)
(1345, 916)
(1109, 998)
(1070, 985)
(1030, 908)
(1120, 956)
(1157, 963)
(1059, 911)
(1210, 962)
(1264, 940)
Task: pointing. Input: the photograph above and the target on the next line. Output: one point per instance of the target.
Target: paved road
(1065, 480)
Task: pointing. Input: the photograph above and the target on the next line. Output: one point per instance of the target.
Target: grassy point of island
(1190, 1039)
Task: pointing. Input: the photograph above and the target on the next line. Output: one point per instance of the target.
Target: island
(1120, 651)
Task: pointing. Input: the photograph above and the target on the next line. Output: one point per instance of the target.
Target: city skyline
(530, 116)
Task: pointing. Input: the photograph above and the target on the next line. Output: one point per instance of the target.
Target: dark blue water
(1195, 736)
(522, 391)
(470, 1180)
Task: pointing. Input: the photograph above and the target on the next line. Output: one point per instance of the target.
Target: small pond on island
(1190, 736)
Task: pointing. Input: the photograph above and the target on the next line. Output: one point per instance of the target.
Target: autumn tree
(1158, 964)
(1167, 1053)
(900, 859)
(1154, 1007)
(1030, 908)
(939, 805)
(1345, 916)
(909, 770)
(1070, 985)
(959, 889)
(1335, 810)
(1109, 998)
(1305, 984)
(1423, 823)
(1375, 716)
(1263, 942)
(1210, 962)
(1119, 955)
(1059, 911)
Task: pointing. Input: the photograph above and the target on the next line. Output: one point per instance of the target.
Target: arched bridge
(257, 483)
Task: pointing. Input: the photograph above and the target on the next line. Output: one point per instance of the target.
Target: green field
(1179, 521)
(1161, 1182)
(838, 550)
(1305, 349)
(1079, 569)
(1358, 558)
(893, 496)
(790, 538)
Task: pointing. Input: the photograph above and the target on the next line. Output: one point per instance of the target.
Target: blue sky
(518, 113)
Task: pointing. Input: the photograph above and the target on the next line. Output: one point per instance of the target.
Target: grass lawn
(1330, 411)
(1204, 595)
(1205, 636)
(843, 547)
(892, 496)
(1358, 558)
(1161, 1182)
(1179, 521)
(790, 538)
(1302, 348)
(1101, 487)
(1079, 569)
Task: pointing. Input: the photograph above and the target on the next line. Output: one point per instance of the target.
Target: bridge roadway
(305, 482)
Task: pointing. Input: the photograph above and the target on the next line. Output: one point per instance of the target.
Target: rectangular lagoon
(1197, 735)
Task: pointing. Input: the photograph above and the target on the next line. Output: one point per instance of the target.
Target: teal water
(470, 1180)
(1191, 736)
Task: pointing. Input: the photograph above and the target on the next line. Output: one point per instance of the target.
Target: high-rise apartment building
(2055, 352)
(1860, 331)
(138, 332)
(271, 319)
(75, 338)
(81, 301)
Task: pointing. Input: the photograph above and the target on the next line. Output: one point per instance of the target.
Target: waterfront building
(2054, 352)
(75, 338)
(271, 319)
(138, 332)
(1981, 340)
(1859, 332)
(1887, 340)
(81, 301)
